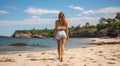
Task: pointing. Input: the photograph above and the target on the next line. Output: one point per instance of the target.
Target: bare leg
(58, 47)
(62, 48)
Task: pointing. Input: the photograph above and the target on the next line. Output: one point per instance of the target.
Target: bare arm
(67, 31)
(55, 31)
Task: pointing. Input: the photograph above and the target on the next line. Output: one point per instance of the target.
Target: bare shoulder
(66, 23)
(56, 21)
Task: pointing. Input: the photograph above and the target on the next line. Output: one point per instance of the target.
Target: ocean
(40, 43)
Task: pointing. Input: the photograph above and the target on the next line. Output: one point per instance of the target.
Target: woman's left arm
(55, 30)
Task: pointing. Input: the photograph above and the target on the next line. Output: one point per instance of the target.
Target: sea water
(38, 43)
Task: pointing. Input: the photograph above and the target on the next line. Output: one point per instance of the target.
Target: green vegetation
(112, 25)
(48, 32)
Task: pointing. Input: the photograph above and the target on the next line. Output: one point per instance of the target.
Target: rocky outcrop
(36, 33)
(27, 35)
(22, 35)
(17, 44)
(79, 33)
(101, 33)
(94, 33)
(83, 33)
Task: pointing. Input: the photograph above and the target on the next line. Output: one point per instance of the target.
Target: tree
(101, 26)
(102, 20)
(118, 16)
(92, 26)
(87, 24)
(45, 29)
(72, 27)
(116, 24)
(109, 22)
(77, 28)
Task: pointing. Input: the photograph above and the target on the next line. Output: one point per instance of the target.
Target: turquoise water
(42, 43)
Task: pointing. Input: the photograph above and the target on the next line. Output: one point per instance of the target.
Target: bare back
(59, 26)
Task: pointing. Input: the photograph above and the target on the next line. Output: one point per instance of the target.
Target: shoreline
(54, 49)
(94, 41)
(40, 45)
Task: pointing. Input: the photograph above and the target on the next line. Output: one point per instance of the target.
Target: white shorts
(61, 34)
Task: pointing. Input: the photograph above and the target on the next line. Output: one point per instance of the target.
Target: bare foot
(61, 60)
(59, 57)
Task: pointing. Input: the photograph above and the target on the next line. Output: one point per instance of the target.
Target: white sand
(99, 55)
(97, 40)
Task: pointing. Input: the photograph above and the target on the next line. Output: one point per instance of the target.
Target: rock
(22, 35)
(37, 36)
(29, 34)
(101, 33)
(17, 44)
(103, 43)
(83, 33)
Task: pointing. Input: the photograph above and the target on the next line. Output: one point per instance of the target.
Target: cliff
(32, 33)
(94, 33)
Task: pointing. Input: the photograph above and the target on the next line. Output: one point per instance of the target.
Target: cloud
(88, 12)
(73, 21)
(82, 20)
(76, 7)
(36, 17)
(107, 10)
(4, 12)
(35, 20)
(39, 11)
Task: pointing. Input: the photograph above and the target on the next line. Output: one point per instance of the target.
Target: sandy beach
(98, 40)
(92, 55)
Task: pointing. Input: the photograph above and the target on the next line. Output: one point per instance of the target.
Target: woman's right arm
(67, 31)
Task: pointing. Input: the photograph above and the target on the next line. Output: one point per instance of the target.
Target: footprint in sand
(100, 55)
(5, 59)
(109, 58)
(19, 55)
(71, 57)
(30, 56)
(42, 53)
(63, 65)
(100, 51)
(89, 58)
(111, 62)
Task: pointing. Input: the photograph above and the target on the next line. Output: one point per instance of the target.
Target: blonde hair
(62, 18)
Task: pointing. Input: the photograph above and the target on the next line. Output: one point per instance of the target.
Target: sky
(40, 14)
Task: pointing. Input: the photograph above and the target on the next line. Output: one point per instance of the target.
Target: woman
(61, 34)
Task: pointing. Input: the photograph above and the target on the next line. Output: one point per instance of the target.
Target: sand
(92, 55)
(97, 40)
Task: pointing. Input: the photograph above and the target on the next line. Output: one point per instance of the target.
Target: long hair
(62, 18)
